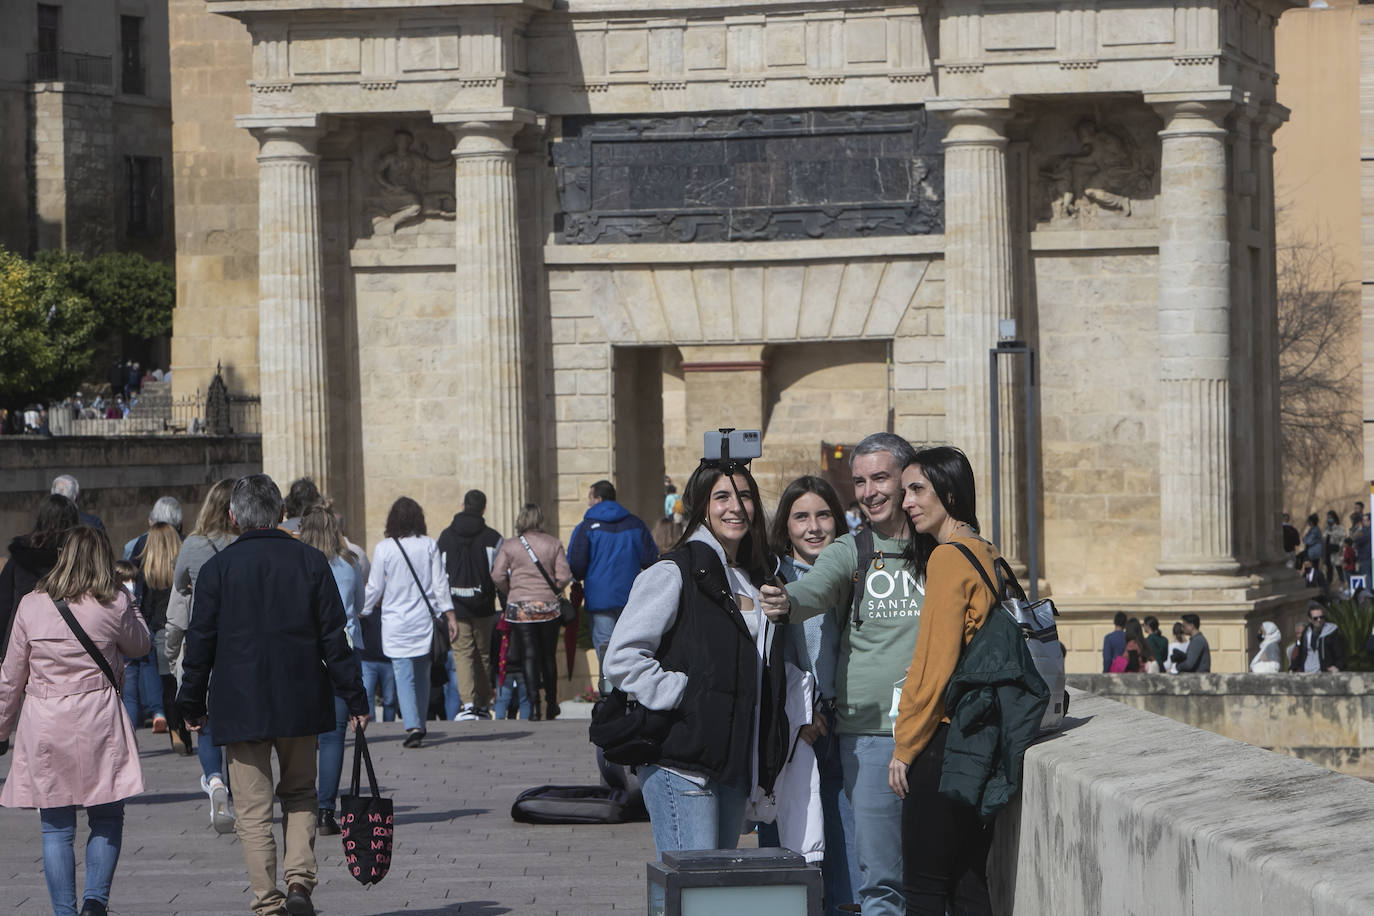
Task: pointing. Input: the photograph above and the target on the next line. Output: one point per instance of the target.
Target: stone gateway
(520, 245)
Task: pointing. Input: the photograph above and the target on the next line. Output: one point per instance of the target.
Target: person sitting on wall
(1321, 647)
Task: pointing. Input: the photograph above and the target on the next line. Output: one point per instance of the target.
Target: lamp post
(1009, 346)
(712, 882)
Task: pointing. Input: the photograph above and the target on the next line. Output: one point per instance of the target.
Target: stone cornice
(244, 8)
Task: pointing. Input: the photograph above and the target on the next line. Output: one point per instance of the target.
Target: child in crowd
(512, 695)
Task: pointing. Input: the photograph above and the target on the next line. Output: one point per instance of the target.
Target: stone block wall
(73, 155)
(120, 478)
(214, 178)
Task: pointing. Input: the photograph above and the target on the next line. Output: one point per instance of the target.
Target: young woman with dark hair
(671, 649)
(73, 748)
(32, 555)
(944, 843)
(409, 582)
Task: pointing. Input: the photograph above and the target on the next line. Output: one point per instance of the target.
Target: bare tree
(1319, 381)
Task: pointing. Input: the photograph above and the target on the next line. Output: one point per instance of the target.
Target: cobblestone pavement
(457, 850)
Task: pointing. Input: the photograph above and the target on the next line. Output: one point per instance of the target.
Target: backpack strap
(539, 566)
(86, 643)
(987, 580)
(423, 593)
(863, 543)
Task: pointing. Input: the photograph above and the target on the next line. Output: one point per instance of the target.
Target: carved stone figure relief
(1093, 172)
(750, 176)
(406, 183)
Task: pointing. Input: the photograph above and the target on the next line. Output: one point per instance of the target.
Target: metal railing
(70, 67)
(215, 413)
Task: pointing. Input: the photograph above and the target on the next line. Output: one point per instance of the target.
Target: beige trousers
(250, 773)
(472, 659)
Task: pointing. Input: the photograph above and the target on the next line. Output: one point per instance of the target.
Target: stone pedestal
(490, 348)
(1197, 523)
(295, 417)
(978, 295)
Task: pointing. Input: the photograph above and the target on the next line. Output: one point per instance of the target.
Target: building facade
(85, 127)
(517, 247)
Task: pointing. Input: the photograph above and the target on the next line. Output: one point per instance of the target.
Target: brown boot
(298, 901)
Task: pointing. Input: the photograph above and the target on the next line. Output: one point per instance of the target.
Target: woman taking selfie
(944, 841)
(671, 651)
(74, 746)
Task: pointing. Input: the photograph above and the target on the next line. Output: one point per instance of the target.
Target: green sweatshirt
(875, 656)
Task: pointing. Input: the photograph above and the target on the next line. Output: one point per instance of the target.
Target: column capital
(284, 136)
(488, 132)
(1193, 113)
(974, 122)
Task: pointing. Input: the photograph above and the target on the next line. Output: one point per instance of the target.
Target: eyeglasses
(1317, 618)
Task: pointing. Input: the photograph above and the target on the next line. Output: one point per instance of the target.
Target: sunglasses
(1316, 619)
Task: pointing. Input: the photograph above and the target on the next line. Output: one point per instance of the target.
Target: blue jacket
(607, 550)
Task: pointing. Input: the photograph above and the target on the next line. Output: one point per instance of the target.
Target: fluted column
(490, 343)
(978, 294)
(291, 357)
(1197, 534)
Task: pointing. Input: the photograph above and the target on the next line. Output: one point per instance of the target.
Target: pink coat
(75, 745)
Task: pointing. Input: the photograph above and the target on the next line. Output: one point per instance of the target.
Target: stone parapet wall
(1129, 812)
(1327, 719)
(120, 477)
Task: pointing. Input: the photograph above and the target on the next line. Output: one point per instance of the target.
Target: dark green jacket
(995, 701)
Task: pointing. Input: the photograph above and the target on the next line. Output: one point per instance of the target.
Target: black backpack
(467, 569)
(618, 800)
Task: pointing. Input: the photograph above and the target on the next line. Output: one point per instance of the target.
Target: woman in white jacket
(408, 580)
(1266, 660)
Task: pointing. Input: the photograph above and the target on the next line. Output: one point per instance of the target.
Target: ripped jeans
(687, 816)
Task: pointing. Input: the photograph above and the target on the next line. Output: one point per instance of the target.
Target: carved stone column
(978, 294)
(291, 357)
(490, 345)
(1197, 518)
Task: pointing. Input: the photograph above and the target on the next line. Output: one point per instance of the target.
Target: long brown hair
(753, 552)
(320, 529)
(213, 520)
(159, 556)
(85, 566)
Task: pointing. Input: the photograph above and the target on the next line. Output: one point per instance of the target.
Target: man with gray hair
(268, 623)
(879, 598)
(166, 509)
(66, 485)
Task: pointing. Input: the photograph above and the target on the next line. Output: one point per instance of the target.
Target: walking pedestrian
(468, 547)
(157, 564)
(268, 625)
(73, 746)
(32, 556)
(409, 584)
(532, 604)
(214, 531)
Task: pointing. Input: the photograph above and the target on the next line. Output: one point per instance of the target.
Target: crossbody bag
(87, 643)
(566, 612)
(439, 644)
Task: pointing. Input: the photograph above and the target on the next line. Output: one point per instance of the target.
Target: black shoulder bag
(86, 643)
(366, 822)
(566, 612)
(439, 644)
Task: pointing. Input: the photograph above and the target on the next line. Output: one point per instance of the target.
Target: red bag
(366, 822)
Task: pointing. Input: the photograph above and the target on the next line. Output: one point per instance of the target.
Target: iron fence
(239, 415)
(70, 67)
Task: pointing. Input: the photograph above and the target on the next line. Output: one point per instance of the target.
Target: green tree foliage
(131, 294)
(47, 332)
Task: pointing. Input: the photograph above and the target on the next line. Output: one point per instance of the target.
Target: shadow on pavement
(472, 908)
(432, 817)
(167, 798)
(481, 736)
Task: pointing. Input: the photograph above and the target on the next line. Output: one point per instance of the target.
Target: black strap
(414, 576)
(996, 592)
(360, 753)
(86, 643)
(539, 566)
(863, 543)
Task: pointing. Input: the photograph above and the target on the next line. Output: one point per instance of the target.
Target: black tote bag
(365, 822)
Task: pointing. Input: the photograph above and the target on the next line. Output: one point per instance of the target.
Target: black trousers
(944, 844)
(539, 659)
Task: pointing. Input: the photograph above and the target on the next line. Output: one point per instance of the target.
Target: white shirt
(407, 624)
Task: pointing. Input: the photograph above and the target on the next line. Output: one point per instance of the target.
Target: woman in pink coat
(75, 746)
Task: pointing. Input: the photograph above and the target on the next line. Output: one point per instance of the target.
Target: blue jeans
(412, 690)
(840, 867)
(380, 675)
(512, 690)
(453, 700)
(877, 822)
(684, 815)
(211, 757)
(142, 688)
(59, 855)
(332, 755)
(602, 625)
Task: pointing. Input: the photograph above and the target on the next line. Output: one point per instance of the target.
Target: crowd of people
(116, 399)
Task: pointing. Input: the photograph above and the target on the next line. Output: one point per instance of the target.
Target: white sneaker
(221, 808)
(466, 714)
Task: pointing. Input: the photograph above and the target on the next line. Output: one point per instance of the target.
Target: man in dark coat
(269, 623)
(468, 546)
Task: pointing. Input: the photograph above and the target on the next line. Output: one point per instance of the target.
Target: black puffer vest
(714, 722)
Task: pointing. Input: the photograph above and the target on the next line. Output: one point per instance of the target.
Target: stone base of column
(1260, 583)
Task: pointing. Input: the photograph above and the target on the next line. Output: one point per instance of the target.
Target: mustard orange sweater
(956, 604)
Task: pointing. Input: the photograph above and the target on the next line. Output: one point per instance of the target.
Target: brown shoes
(298, 901)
